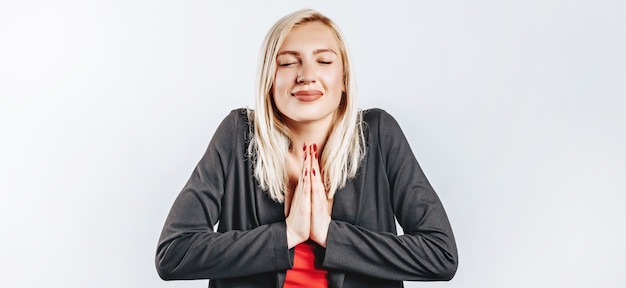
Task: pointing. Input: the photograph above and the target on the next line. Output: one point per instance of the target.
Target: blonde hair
(270, 143)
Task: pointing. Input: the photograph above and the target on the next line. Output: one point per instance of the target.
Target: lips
(307, 95)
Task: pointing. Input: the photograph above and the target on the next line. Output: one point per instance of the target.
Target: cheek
(334, 78)
(282, 80)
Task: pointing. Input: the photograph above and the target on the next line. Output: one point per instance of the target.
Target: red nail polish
(305, 171)
(313, 170)
(314, 147)
(315, 154)
(304, 147)
(305, 156)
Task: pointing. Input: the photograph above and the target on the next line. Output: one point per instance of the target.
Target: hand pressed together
(308, 213)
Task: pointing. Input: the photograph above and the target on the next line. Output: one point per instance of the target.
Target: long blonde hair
(269, 145)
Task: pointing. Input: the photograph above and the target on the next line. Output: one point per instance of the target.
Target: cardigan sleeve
(426, 251)
(189, 248)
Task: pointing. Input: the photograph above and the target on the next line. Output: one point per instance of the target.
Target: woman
(305, 188)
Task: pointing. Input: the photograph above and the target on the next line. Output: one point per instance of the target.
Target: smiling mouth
(308, 95)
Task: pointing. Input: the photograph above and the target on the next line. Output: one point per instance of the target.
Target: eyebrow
(296, 53)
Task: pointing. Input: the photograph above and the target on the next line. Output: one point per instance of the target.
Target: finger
(302, 197)
(307, 171)
(316, 171)
(320, 212)
(318, 199)
(302, 193)
(299, 185)
(306, 155)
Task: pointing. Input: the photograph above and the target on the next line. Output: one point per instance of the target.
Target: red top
(304, 273)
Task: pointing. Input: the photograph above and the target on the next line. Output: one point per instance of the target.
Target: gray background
(513, 108)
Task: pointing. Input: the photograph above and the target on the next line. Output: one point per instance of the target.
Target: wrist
(293, 238)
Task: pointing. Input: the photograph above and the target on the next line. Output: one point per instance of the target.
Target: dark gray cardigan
(250, 247)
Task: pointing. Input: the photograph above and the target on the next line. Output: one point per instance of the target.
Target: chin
(309, 112)
(310, 118)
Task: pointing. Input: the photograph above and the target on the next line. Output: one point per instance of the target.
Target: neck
(309, 133)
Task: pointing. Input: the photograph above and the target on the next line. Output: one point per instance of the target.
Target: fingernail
(315, 156)
(306, 172)
(313, 170)
(314, 147)
(305, 156)
(304, 147)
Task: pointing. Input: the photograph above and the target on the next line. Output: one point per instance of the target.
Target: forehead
(313, 36)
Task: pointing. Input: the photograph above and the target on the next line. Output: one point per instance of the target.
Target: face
(309, 76)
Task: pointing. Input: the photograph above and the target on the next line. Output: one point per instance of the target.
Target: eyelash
(291, 63)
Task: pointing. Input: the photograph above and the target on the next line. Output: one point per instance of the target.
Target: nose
(306, 74)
